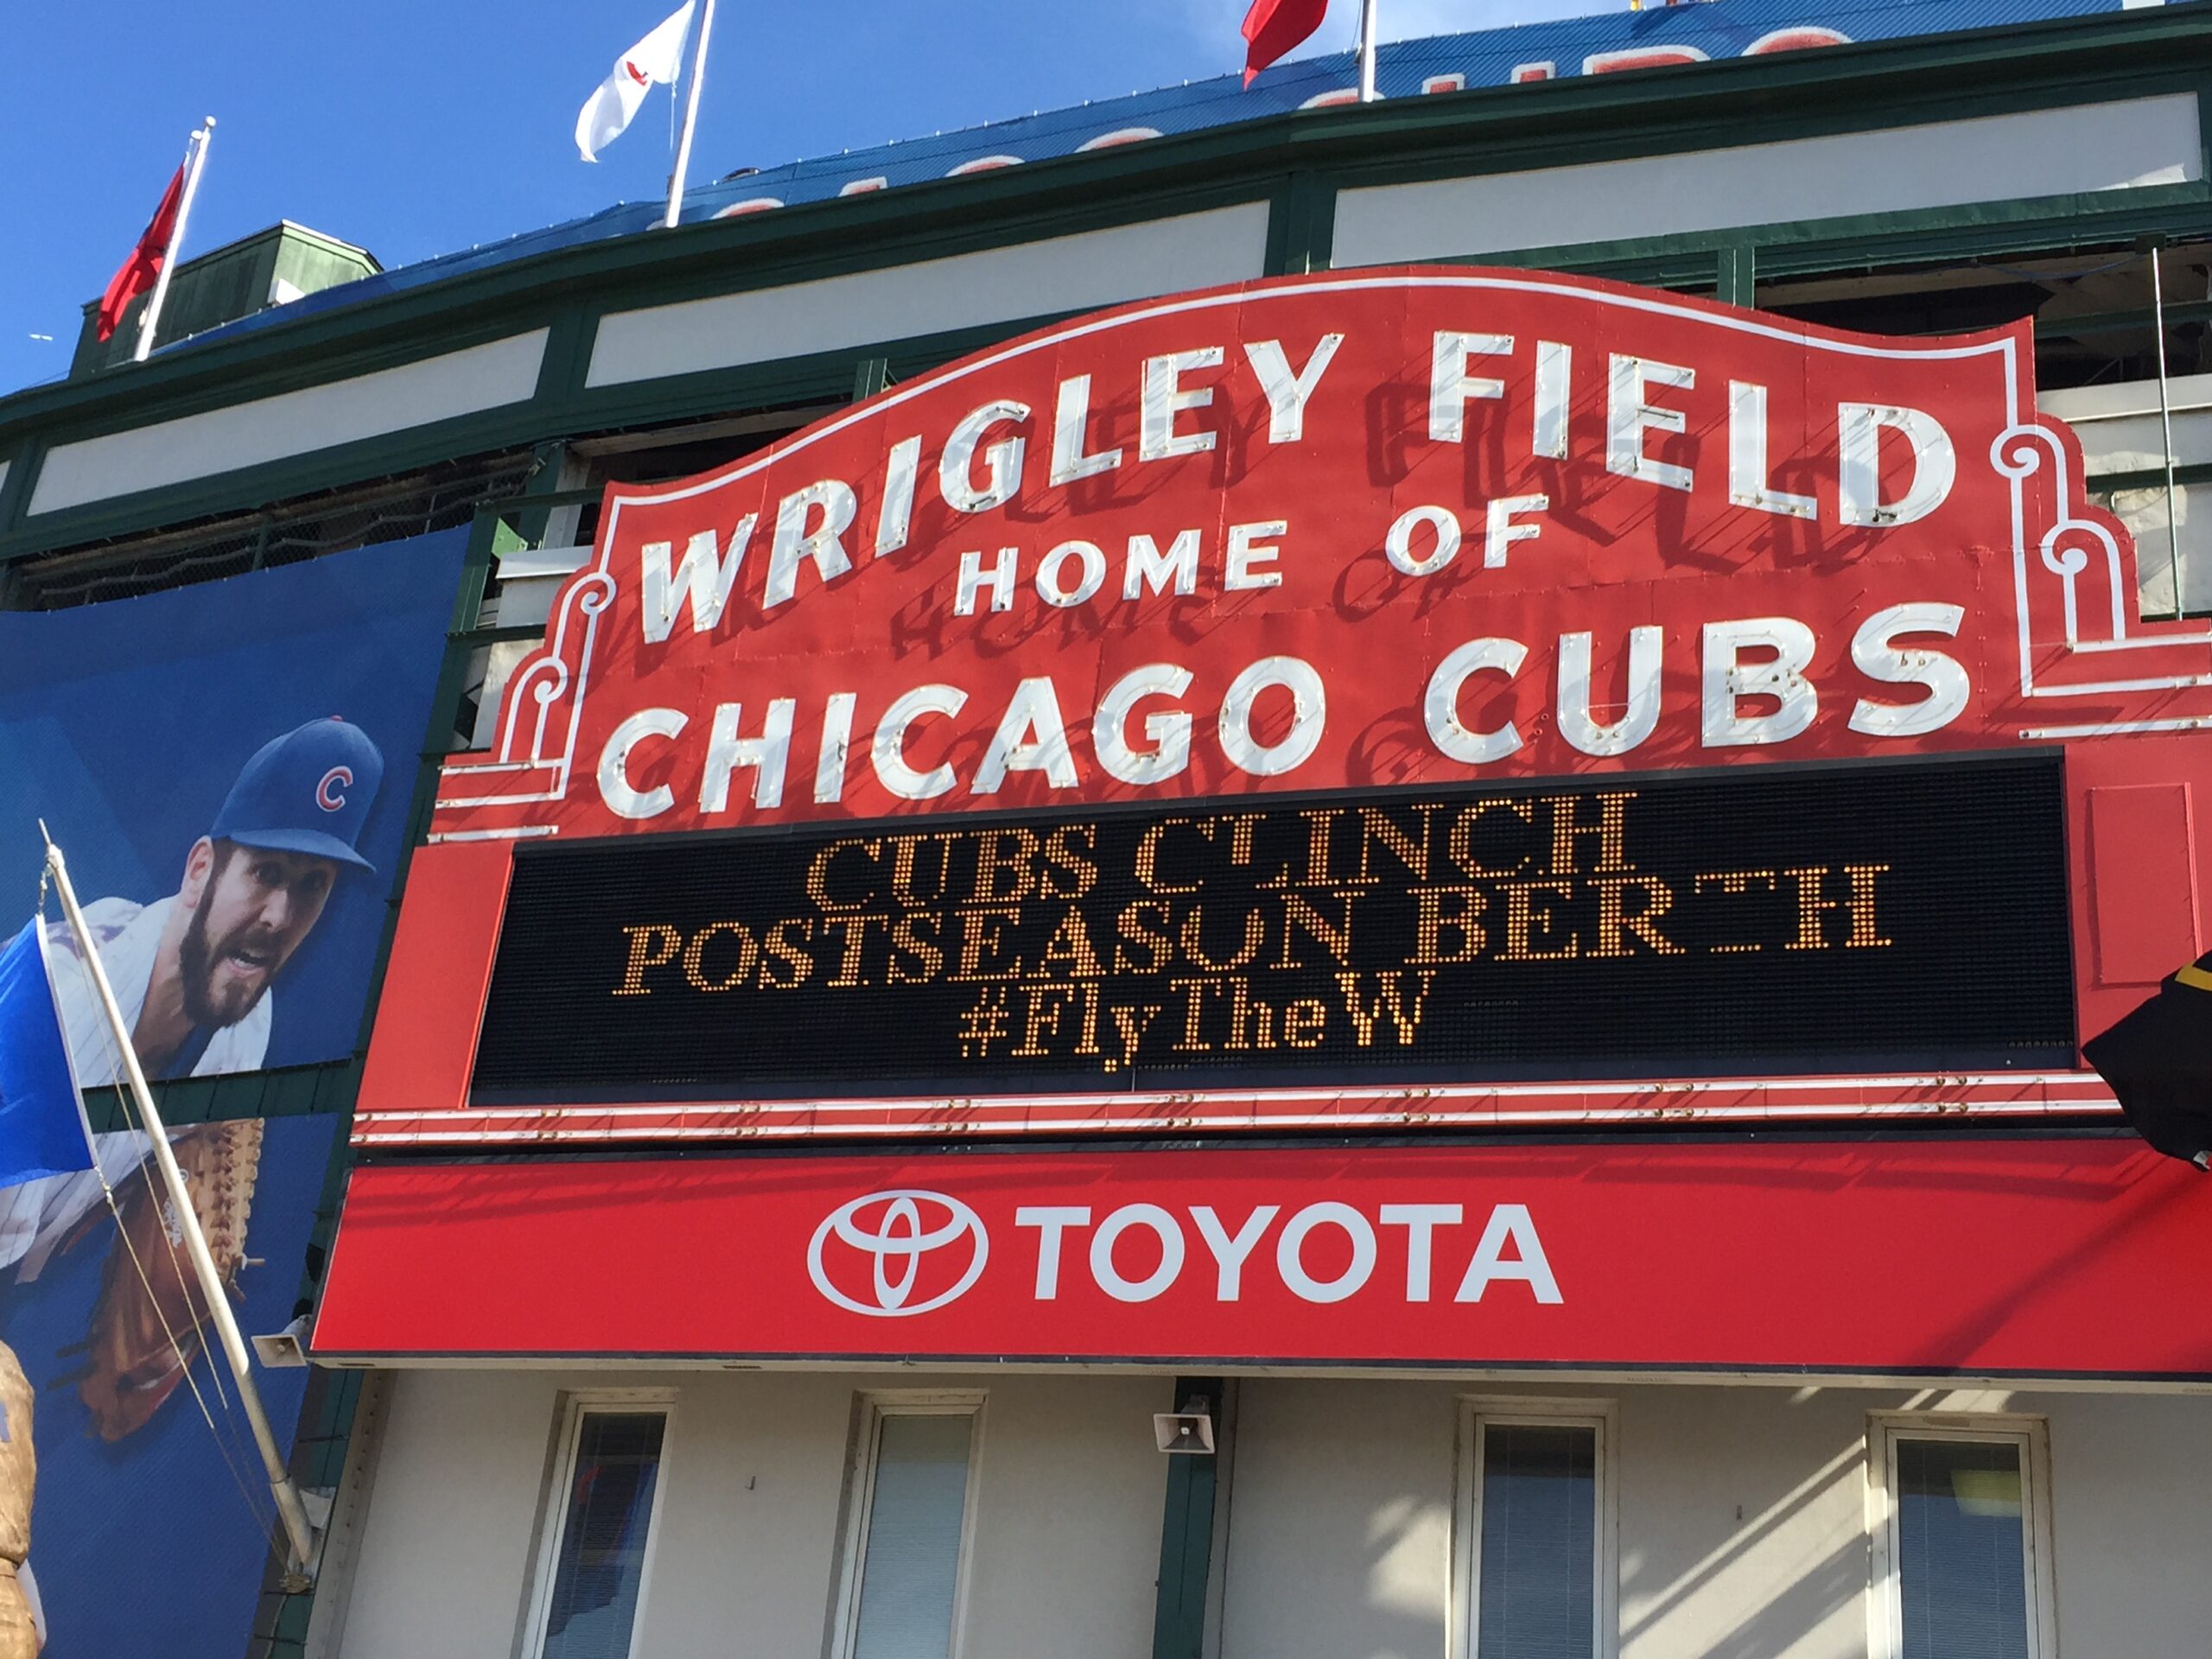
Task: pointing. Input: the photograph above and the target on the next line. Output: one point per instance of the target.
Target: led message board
(1805, 920)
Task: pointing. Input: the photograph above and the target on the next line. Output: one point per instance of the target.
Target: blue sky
(412, 127)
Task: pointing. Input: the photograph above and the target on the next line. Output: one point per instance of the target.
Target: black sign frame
(532, 1060)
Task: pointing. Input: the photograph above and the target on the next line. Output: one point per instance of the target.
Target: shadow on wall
(1407, 1541)
(1787, 1583)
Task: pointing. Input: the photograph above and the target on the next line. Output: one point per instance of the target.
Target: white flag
(652, 62)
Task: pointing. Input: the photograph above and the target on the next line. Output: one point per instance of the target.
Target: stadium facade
(1200, 883)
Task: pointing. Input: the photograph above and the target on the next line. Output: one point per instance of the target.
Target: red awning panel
(2030, 1257)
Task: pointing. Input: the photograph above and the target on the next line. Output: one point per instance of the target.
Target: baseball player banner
(230, 766)
(149, 1530)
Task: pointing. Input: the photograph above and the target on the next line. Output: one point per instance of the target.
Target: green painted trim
(2116, 322)
(568, 355)
(1868, 241)
(1186, 1536)
(871, 378)
(23, 462)
(250, 487)
(295, 1091)
(1737, 280)
(2148, 478)
(1301, 226)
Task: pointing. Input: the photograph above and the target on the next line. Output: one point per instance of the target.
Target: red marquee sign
(1326, 533)
(1774, 1257)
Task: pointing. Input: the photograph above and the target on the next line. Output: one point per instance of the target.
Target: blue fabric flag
(42, 1128)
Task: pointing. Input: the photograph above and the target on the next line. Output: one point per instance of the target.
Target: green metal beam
(1186, 1535)
(1737, 283)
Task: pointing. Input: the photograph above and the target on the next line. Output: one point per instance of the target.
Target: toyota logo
(900, 1233)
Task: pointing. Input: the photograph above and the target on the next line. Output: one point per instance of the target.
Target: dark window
(1536, 1584)
(1962, 1549)
(598, 1565)
(910, 1565)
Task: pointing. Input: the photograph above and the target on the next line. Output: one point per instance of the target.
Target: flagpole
(196, 158)
(1366, 50)
(187, 1220)
(690, 118)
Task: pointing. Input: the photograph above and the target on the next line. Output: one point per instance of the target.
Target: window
(1536, 1528)
(906, 1547)
(600, 1511)
(1961, 1539)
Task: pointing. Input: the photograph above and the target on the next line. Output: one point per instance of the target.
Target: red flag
(1275, 27)
(145, 265)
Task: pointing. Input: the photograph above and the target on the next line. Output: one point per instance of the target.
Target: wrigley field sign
(1343, 698)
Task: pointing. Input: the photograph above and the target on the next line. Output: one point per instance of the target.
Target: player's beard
(197, 957)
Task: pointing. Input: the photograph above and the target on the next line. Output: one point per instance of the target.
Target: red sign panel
(1413, 529)
(2042, 1257)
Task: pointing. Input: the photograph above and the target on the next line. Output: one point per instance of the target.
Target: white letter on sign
(1500, 532)
(1247, 553)
(1071, 415)
(1748, 484)
(1309, 712)
(768, 753)
(622, 799)
(1150, 567)
(889, 751)
(1162, 398)
(1229, 1253)
(1162, 1227)
(1509, 1223)
(1450, 386)
(1051, 1220)
(1286, 392)
(701, 577)
(1421, 1222)
(975, 576)
(1398, 541)
(1727, 679)
(1578, 725)
(1001, 461)
(1859, 479)
(1168, 733)
(896, 519)
(1031, 737)
(1287, 1248)
(1628, 417)
(1091, 560)
(824, 543)
(1875, 649)
(1440, 705)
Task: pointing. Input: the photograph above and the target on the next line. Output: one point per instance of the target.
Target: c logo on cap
(327, 795)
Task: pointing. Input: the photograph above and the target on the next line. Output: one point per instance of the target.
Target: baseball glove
(130, 1366)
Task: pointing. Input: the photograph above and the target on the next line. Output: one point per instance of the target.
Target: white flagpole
(690, 118)
(212, 1292)
(196, 158)
(1366, 50)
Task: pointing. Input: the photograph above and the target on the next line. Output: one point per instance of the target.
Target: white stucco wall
(1061, 274)
(1742, 1516)
(1742, 1519)
(2091, 148)
(466, 382)
(1069, 1496)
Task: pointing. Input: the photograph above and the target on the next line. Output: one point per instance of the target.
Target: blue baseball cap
(307, 791)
